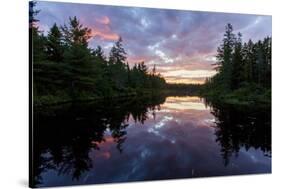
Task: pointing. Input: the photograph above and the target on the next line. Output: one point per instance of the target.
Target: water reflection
(147, 139)
(237, 127)
(64, 135)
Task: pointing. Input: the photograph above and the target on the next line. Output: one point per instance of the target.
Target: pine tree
(225, 56)
(237, 64)
(75, 33)
(54, 46)
(78, 55)
(75, 37)
(32, 13)
(248, 59)
(117, 58)
(117, 53)
(267, 50)
(99, 54)
(242, 68)
(36, 37)
(154, 70)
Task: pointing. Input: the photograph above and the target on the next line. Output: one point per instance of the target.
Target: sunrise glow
(183, 52)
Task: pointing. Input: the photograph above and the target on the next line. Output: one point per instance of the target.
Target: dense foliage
(65, 68)
(178, 89)
(243, 70)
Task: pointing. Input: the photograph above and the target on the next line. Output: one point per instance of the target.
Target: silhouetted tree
(54, 46)
(224, 56)
(32, 13)
(75, 33)
(36, 37)
(66, 69)
(117, 58)
(117, 53)
(237, 68)
(243, 70)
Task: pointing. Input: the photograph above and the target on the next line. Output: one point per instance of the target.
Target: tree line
(65, 67)
(243, 69)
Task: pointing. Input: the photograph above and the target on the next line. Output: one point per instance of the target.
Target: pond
(138, 139)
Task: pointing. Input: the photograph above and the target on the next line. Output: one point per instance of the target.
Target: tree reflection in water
(64, 135)
(241, 126)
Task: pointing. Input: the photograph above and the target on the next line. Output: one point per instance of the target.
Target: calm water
(148, 139)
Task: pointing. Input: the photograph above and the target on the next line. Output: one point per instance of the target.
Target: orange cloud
(105, 35)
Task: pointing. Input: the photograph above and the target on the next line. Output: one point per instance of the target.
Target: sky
(181, 44)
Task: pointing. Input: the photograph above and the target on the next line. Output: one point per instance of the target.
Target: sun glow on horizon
(188, 76)
(185, 81)
(181, 54)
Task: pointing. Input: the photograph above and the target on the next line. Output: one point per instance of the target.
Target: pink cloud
(100, 28)
(103, 20)
(106, 35)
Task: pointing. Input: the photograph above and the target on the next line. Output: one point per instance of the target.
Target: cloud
(103, 20)
(189, 73)
(106, 35)
(172, 40)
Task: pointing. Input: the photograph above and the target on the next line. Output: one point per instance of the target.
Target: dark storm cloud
(173, 38)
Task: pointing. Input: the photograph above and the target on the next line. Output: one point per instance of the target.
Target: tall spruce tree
(117, 53)
(78, 55)
(237, 64)
(54, 46)
(75, 37)
(224, 57)
(35, 35)
(117, 58)
(242, 68)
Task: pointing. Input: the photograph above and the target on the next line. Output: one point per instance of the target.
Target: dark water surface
(148, 139)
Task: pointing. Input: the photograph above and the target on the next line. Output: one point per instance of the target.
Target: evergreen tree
(99, 54)
(117, 58)
(237, 68)
(37, 38)
(117, 53)
(54, 47)
(154, 70)
(242, 69)
(268, 59)
(65, 68)
(75, 33)
(78, 55)
(224, 57)
(76, 38)
(32, 13)
(248, 59)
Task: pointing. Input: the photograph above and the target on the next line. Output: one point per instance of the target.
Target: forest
(65, 68)
(243, 71)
